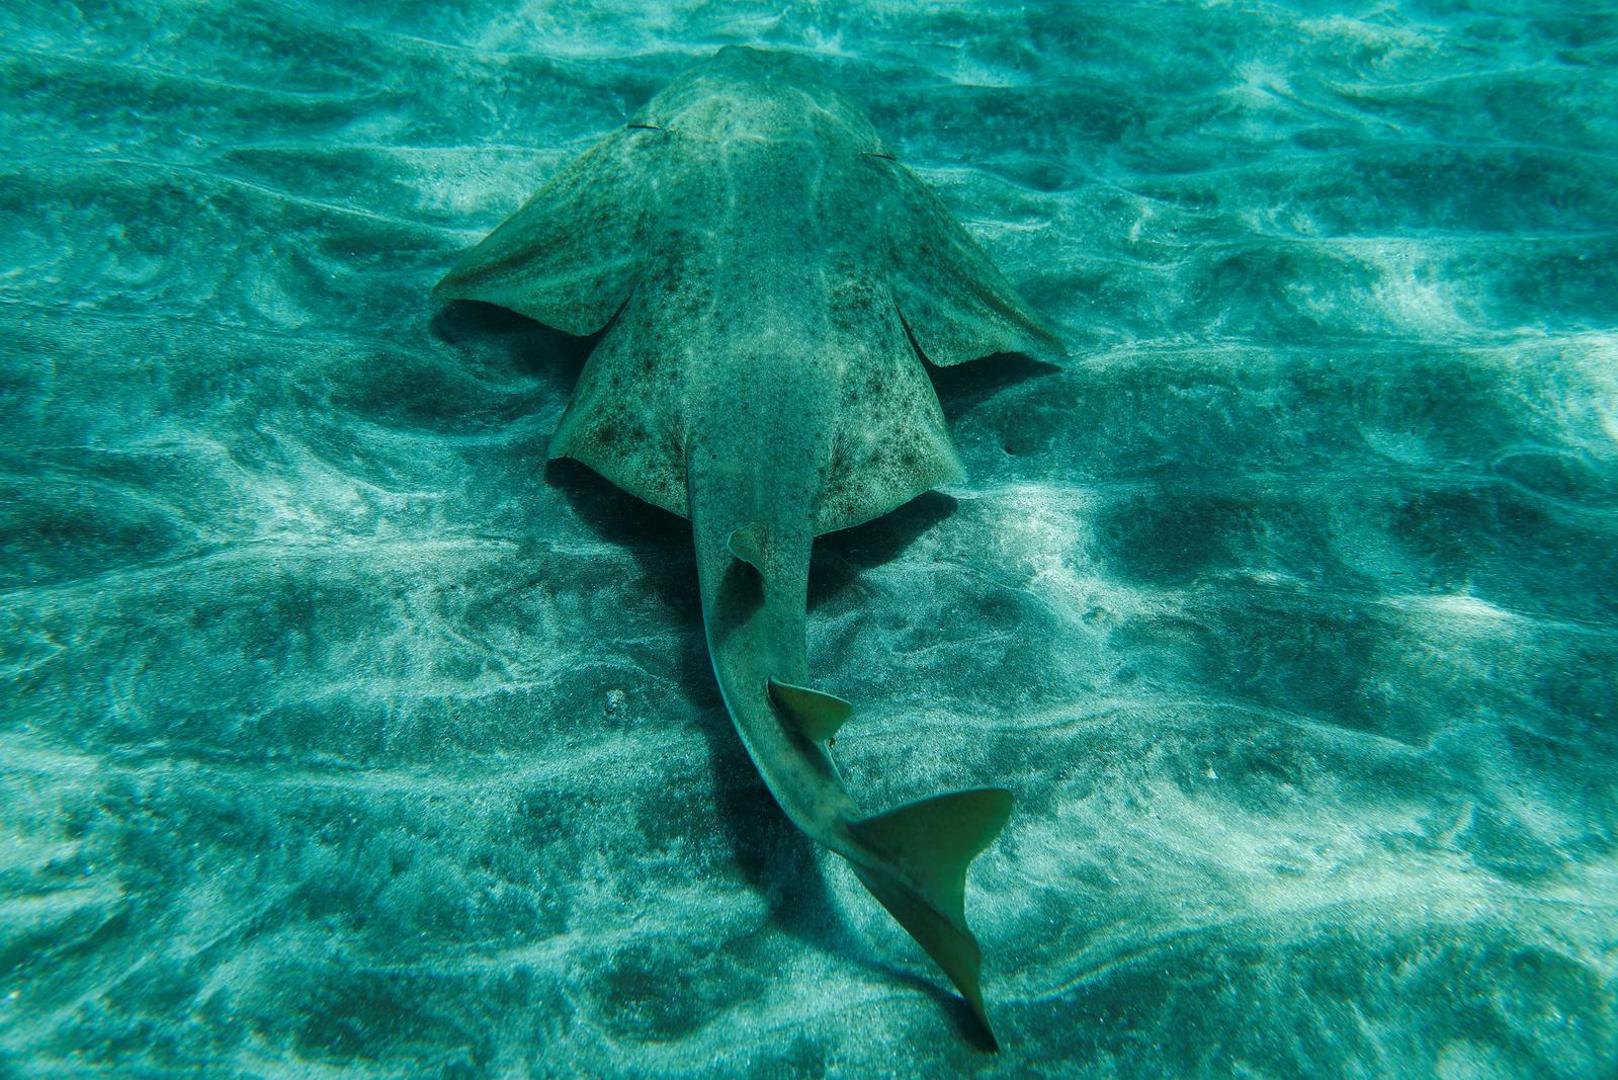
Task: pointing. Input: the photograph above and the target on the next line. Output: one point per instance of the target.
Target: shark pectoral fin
(747, 544)
(929, 845)
(955, 302)
(815, 714)
(570, 256)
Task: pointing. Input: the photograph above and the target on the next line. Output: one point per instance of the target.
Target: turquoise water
(341, 736)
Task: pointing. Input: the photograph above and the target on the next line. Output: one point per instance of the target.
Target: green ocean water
(342, 736)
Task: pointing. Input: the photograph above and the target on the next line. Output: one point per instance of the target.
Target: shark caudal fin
(926, 847)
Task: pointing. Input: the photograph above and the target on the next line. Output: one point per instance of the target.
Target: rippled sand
(340, 736)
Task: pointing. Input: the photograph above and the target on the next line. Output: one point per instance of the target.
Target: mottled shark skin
(766, 273)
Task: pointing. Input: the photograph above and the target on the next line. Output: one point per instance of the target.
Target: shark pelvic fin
(817, 715)
(927, 846)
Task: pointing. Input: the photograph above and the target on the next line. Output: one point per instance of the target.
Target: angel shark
(766, 274)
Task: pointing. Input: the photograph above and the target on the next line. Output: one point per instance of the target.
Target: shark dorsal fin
(927, 846)
(747, 544)
(817, 715)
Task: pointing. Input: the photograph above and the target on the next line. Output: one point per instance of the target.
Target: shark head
(746, 96)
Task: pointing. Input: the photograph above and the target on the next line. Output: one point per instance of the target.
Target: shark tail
(923, 850)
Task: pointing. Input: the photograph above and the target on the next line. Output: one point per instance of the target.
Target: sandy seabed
(341, 736)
